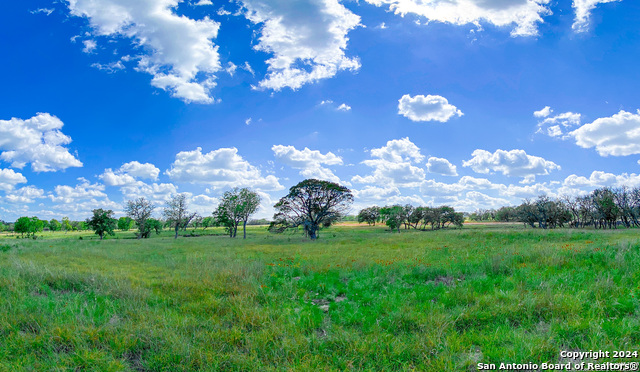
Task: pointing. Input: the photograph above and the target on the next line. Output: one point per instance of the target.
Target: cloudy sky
(470, 103)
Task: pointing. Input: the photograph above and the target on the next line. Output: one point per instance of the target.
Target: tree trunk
(177, 227)
(244, 229)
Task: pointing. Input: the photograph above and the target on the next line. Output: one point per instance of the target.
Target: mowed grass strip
(359, 298)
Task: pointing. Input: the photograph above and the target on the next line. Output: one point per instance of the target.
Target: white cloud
(514, 163)
(180, 54)
(524, 15)
(110, 67)
(38, 141)
(546, 111)
(344, 107)
(602, 179)
(9, 179)
(427, 108)
(203, 2)
(24, 195)
(307, 39)
(89, 46)
(84, 190)
(393, 165)
(46, 11)
(128, 173)
(618, 135)
(231, 68)
(157, 193)
(441, 166)
(475, 200)
(583, 10)
(140, 170)
(248, 121)
(308, 161)
(556, 126)
(219, 168)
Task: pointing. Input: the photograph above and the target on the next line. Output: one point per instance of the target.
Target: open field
(359, 298)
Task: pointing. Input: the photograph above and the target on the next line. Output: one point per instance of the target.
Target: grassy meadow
(359, 298)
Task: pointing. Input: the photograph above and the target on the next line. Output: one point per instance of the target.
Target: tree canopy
(311, 204)
(236, 206)
(140, 210)
(176, 212)
(102, 222)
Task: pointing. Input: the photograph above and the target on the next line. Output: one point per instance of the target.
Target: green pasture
(359, 298)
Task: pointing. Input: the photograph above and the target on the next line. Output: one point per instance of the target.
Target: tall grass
(359, 298)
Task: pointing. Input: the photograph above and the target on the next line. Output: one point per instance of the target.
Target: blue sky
(469, 103)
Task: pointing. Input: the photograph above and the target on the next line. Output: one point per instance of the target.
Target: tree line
(603, 208)
(418, 218)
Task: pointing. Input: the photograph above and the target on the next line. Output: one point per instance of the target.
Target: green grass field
(359, 298)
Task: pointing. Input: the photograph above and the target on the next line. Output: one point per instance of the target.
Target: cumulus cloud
(514, 163)
(89, 46)
(523, 15)
(308, 161)
(618, 135)
(344, 107)
(84, 190)
(157, 193)
(543, 113)
(9, 179)
(219, 168)
(583, 10)
(602, 179)
(474, 200)
(307, 39)
(37, 141)
(24, 195)
(427, 108)
(128, 172)
(393, 165)
(179, 52)
(441, 166)
(558, 125)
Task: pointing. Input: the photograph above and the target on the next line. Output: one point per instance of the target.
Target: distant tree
(140, 211)
(153, 225)
(66, 224)
(55, 225)
(102, 222)
(311, 204)
(393, 216)
(29, 226)
(236, 207)
(125, 223)
(369, 215)
(22, 226)
(207, 222)
(176, 212)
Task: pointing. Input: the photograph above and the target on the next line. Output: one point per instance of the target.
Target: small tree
(153, 225)
(102, 222)
(55, 225)
(393, 216)
(207, 222)
(124, 223)
(369, 215)
(66, 224)
(236, 206)
(29, 226)
(140, 210)
(311, 204)
(176, 212)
